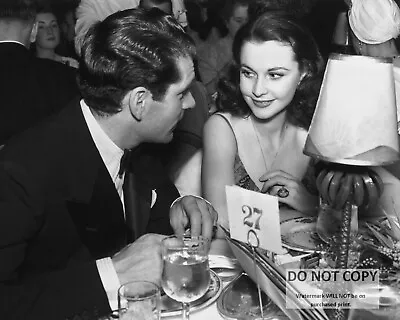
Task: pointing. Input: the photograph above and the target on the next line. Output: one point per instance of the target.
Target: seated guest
(164, 5)
(49, 36)
(67, 28)
(256, 139)
(30, 88)
(215, 58)
(72, 200)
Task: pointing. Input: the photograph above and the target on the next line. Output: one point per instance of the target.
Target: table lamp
(354, 127)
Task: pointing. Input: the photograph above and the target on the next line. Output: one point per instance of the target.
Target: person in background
(31, 89)
(49, 36)
(67, 27)
(83, 204)
(91, 11)
(256, 138)
(215, 58)
(375, 25)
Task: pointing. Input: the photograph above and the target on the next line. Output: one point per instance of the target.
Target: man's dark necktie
(130, 200)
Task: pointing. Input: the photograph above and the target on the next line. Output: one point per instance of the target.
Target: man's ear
(32, 37)
(138, 102)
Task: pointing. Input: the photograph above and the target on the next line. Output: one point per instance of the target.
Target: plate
(170, 307)
(300, 234)
(225, 267)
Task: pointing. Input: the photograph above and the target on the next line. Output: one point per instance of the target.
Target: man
(65, 200)
(30, 88)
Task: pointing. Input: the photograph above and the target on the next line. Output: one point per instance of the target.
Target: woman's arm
(219, 151)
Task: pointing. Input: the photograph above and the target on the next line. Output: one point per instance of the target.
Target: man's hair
(129, 49)
(18, 9)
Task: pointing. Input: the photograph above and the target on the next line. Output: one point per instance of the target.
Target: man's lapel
(137, 198)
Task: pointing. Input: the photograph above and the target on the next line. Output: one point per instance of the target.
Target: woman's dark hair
(295, 8)
(276, 26)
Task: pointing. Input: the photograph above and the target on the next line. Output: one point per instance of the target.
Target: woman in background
(48, 38)
(256, 139)
(215, 56)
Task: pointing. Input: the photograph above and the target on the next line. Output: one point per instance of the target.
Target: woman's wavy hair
(276, 26)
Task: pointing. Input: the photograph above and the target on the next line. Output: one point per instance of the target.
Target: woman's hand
(289, 190)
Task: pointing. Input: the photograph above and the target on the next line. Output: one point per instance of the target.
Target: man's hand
(194, 213)
(141, 260)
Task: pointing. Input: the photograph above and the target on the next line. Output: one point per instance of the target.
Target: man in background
(30, 88)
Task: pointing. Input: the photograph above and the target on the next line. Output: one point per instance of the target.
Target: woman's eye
(246, 73)
(275, 75)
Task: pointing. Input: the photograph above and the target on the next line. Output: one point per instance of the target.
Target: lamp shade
(355, 121)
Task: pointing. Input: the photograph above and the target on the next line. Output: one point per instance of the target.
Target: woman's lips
(262, 103)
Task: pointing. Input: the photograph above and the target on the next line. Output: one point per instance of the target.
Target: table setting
(355, 230)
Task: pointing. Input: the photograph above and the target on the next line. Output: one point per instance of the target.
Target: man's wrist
(110, 280)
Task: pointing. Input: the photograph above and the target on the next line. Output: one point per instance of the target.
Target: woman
(256, 139)
(48, 38)
(215, 56)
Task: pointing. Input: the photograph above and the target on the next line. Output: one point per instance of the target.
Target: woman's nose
(260, 87)
(49, 31)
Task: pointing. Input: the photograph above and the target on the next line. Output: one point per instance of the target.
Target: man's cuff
(110, 280)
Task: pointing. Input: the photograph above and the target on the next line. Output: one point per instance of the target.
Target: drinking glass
(139, 300)
(186, 273)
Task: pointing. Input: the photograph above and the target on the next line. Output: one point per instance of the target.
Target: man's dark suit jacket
(59, 211)
(30, 89)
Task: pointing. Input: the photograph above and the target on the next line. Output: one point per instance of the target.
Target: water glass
(186, 272)
(139, 300)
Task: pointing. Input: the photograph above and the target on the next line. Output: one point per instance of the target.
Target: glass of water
(186, 273)
(139, 300)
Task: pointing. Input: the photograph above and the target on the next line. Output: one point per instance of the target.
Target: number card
(254, 218)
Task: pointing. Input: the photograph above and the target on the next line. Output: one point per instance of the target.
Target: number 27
(253, 216)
